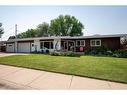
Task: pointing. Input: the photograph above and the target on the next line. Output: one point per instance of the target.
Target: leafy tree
(124, 41)
(1, 30)
(42, 30)
(28, 34)
(62, 26)
(66, 26)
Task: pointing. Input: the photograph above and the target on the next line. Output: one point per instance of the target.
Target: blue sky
(96, 19)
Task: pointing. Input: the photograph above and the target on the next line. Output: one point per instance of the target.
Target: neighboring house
(65, 43)
(2, 46)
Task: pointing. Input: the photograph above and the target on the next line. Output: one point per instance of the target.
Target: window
(46, 44)
(41, 45)
(10, 45)
(80, 43)
(95, 42)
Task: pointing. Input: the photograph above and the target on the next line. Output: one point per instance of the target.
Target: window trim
(43, 44)
(95, 42)
(80, 42)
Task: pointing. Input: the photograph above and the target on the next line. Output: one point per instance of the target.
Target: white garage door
(24, 47)
(10, 47)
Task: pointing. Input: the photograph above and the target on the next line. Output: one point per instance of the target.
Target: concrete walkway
(22, 78)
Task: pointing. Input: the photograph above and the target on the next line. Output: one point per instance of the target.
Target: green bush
(98, 51)
(70, 54)
(120, 53)
(47, 51)
(36, 52)
(54, 53)
(42, 51)
(107, 52)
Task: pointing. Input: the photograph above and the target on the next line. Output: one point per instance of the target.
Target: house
(64, 43)
(2, 46)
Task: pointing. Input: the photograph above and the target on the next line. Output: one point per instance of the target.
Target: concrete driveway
(2, 54)
(22, 78)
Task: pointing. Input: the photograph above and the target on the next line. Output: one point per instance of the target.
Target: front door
(68, 45)
(71, 45)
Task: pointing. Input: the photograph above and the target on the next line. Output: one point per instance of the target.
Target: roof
(68, 37)
(2, 43)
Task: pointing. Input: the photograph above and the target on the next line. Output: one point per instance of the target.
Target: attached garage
(24, 47)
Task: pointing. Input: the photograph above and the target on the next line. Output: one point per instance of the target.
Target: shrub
(42, 51)
(36, 52)
(54, 53)
(70, 54)
(115, 55)
(99, 51)
(47, 51)
(107, 52)
(120, 53)
(95, 52)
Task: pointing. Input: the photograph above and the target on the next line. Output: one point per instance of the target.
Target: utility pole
(15, 38)
(15, 31)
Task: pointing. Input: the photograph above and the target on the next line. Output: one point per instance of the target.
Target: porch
(63, 45)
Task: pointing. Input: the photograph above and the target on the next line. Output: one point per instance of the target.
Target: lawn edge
(65, 73)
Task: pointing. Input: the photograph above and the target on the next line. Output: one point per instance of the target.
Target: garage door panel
(24, 47)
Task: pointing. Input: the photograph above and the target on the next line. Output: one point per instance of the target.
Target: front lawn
(108, 68)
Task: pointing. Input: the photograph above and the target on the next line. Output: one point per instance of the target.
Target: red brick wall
(110, 43)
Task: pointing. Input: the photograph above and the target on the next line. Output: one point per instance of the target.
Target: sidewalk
(22, 78)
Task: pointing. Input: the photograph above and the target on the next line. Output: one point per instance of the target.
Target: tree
(62, 26)
(28, 34)
(66, 26)
(1, 30)
(40, 31)
(43, 29)
(124, 40)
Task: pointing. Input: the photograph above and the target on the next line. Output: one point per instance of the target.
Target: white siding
(10, 47)
(32, 47)
(37, 45)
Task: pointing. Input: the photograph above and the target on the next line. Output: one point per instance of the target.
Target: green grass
(107, 68)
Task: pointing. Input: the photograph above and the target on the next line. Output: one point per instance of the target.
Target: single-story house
(64, 43)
